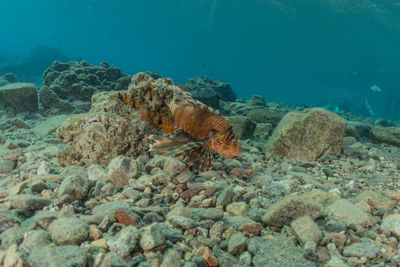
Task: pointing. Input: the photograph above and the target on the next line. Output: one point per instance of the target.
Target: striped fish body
(167, 107)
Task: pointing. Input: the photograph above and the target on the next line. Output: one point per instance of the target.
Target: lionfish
(208, 131)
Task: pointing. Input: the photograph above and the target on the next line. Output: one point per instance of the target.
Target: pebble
(28, 202)
(391, 223)
(58, 256)
(237, 243)
(121, 169)
(306, 230)
(238, 209)
(125, 241)
(365, 248)
(344, 210)
(69, 231)
(290, 208)
(226, 196)
(75, 186)
(151, 236)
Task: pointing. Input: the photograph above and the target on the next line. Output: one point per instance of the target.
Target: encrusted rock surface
(109, 129)
(223, 90)
(79, 80)
(19, 97)
(307, 135)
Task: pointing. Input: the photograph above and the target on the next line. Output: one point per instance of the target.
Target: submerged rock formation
(223, 90)
(79, 80)
(19, 97)
(307, 135)
(110, 128)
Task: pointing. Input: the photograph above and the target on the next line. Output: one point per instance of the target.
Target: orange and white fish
(208, 131)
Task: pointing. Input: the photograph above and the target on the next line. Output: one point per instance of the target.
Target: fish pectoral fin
(175, 146)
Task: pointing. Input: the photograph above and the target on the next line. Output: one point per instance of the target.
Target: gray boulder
(19, 96)
(307, 135)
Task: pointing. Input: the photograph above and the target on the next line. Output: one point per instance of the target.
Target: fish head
(226, 143)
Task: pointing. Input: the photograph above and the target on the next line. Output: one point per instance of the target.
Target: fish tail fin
(172, 146)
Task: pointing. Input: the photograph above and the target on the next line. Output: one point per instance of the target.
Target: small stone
(96, 172)
(173, 166)
(366, 248)
(238, 209)
(251, 228)
(37, 186)
(226, 196)
(209, 257)
(125, 241)
(58, 256)
(172, 258)
(344, 210)
(306, 230)
(28, 202)
(12, 257)
(101, 243)
(391, 223)
(290, 208)
(114, 259)
(7, 166)
(36, 238)
(75, 186)
(121, 169)
(349, 140)
(44, 218)
(94, 232)
(278, 251)
(125, 218)
(245, 258)
(379, 201)
(44, 168)
(237, 243)
(180, 221)
(69, 231)
(151, 237)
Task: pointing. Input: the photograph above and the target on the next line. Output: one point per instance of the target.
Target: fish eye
(231, 137)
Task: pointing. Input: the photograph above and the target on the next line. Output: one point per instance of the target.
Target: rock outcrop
(307, 135)
(19, 96)
(79, 80)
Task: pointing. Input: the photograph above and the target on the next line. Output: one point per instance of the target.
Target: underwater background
(192, 133)
(314, 53)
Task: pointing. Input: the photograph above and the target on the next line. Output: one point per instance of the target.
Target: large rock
(386, 135)
(224, 90)
(79, 80)
(357, 129)
(50, 101)
(242, 126)
(266, 115)
(307, 134)
(110, 128)
(19, 96)
(207, 96)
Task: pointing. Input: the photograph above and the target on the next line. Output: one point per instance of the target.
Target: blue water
(327, 52)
